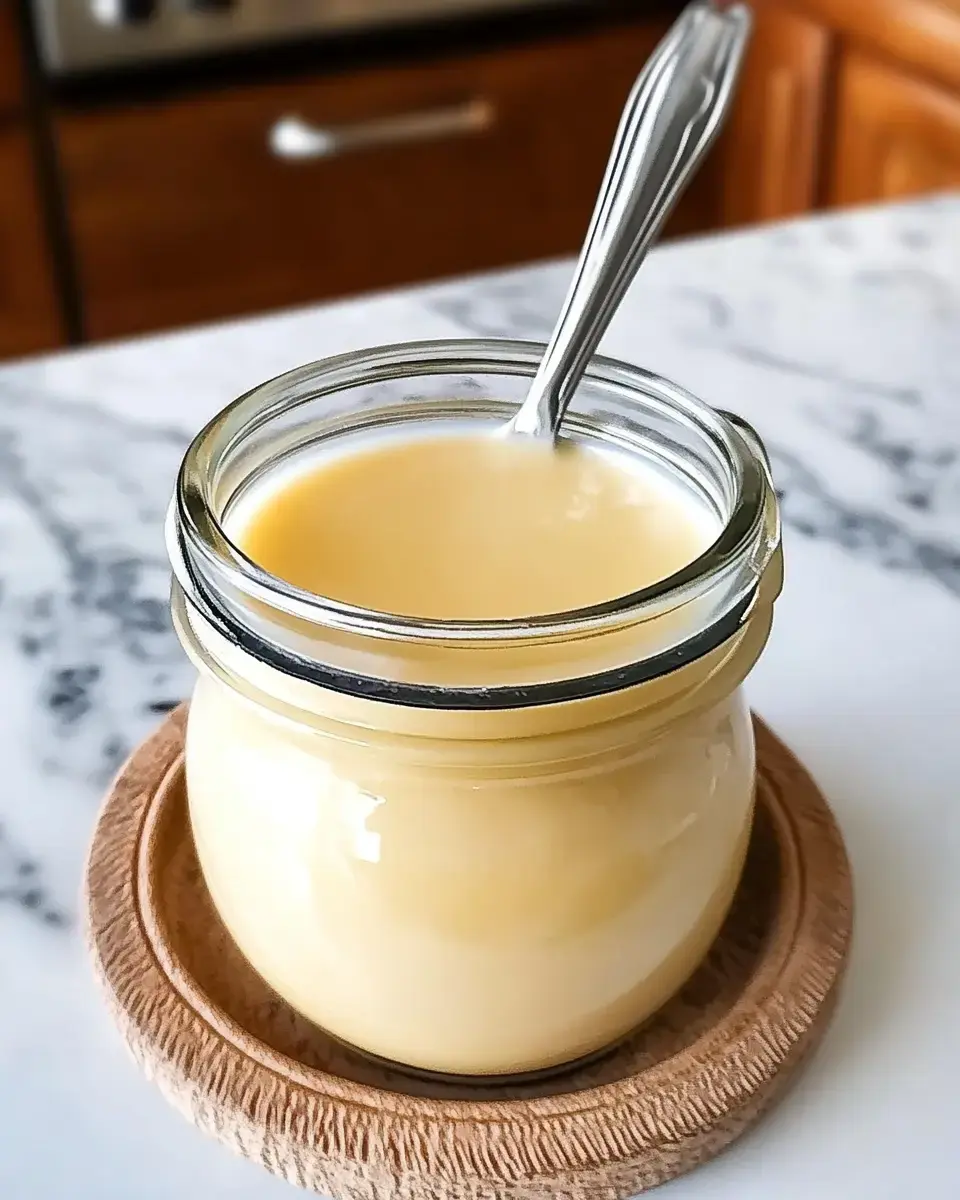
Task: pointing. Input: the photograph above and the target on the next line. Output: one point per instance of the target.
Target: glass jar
(483, 847)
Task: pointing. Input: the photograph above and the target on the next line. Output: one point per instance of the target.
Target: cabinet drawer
(200, 208)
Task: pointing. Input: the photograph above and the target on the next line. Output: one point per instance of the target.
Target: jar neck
(308, 706)
(474, 667)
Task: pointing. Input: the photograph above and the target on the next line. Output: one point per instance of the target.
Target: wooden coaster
(244, 1067)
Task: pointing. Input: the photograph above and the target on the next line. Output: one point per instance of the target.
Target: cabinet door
(771, 151)
(896, 135)
(232, 201)
(29, 315)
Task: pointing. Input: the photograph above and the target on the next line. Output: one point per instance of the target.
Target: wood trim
(772, 151)
(923, 34)
(897, 135)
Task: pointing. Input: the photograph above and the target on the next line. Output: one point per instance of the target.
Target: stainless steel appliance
(85, 35)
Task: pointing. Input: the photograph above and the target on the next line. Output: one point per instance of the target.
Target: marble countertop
(839, 337)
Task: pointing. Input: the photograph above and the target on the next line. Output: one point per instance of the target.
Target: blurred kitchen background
(171, 161)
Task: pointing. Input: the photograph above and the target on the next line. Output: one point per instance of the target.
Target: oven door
(81, 36)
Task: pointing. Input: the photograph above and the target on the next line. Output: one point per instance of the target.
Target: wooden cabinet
(772, 144)
(29, 308)
(235, 199)
(10, 73)
(844, 102)
(202, 207)
(922, 36)
(896, 135)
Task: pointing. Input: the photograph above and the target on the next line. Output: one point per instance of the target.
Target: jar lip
(199, 544)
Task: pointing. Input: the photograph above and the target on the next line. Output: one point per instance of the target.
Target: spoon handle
(671, 118)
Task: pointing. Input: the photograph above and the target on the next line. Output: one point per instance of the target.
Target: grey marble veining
(838, 337)
(84, 608)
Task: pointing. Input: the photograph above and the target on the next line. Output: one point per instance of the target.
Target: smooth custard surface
(473, 527)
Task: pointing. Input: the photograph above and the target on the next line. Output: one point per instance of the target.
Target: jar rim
(207, 564)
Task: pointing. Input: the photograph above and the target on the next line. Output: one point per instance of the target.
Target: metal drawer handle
(295, 140)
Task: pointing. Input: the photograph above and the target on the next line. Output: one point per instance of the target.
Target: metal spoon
(674, 112)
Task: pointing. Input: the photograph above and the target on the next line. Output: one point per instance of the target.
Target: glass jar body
(474, 905)
(478, 848)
